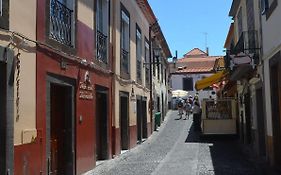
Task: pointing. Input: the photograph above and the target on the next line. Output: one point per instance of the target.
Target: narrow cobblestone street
(177, 149)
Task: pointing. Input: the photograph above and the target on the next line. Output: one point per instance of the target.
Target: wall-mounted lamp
(133, 96)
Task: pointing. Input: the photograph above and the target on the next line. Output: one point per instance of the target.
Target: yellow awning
(208, 81)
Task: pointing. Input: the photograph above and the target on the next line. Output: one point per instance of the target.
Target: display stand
(219, 116)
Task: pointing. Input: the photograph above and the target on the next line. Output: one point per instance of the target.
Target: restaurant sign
(86, 88)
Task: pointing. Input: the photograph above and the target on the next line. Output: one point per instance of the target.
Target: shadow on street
(221, 155)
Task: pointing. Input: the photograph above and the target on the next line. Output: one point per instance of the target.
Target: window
(4, 14)
(240, 22)
(102, 16)
(1, 8)
(139, 54)
(268, 6)
(250, 15)
(125, 43)
(147, 73)
(162, 73)
(165, 78)
(158, 68)
(187, 84)
(61, 21)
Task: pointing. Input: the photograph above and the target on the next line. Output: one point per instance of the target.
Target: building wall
(177, 84)
(24, 22)
(136, 16)
(271, 45)
(271, 32)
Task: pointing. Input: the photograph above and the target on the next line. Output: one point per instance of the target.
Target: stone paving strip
(177, 150)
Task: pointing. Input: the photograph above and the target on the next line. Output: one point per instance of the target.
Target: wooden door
(124, 122)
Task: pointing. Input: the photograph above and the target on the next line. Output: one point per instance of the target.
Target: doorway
(139, 119)
(144, 117)
(248, 121)
(6, 111)
(61, 129)
(2, 119)
(275, 105)
(101, 123)
(124, 120)
(261, 123)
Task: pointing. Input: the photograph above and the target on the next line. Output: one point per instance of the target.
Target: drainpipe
(113, 67)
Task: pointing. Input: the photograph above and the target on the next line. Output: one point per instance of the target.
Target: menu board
(218, 109)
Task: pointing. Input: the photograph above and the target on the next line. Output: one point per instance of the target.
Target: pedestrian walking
(196, 116)
(180, 107)
(188, 109)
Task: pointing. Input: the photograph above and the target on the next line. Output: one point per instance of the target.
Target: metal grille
(60, 23)
(147, 82)
(101, 47)
(124, 61)
(139, 77)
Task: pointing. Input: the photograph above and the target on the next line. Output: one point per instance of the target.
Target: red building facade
(73, 93)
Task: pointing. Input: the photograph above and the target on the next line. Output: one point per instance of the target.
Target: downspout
(113, 68)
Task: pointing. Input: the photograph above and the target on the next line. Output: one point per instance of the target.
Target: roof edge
(234, 7)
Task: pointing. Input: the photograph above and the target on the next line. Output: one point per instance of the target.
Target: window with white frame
(139, 54)
(102, 27)
(61, 21)
(125, 42)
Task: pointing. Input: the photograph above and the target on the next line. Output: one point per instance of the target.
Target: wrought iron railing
(147, 79)
(248, 44)
(60, 23)
(124, 61)
(101, 47)
(139, 76)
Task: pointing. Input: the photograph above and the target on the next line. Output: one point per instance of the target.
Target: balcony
(248, 44)
(61, 23)
(101, 47)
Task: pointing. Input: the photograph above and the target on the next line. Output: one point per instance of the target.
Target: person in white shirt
(196, 116)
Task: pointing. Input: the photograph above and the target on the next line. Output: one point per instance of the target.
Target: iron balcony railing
(101, 47)
(248, 44)
(147, 79)
(124, 61)
(60, 23)
(139, 70)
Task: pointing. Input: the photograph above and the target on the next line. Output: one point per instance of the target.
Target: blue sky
(185, 22)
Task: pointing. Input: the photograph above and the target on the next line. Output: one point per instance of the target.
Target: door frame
(69, 83)
(7, 61)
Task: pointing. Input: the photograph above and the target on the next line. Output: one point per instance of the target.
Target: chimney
(207, 51)
(175, 59)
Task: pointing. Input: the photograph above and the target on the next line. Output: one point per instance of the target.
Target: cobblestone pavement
(176, 149)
